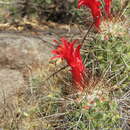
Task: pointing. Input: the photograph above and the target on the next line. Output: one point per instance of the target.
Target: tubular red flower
(73, 58)
(94, 5)
(108, 7)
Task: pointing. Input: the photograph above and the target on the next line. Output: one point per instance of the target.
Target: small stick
(64, 67)
(86, 34)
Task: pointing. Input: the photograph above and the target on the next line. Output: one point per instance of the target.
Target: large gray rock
(10, 82)
(19, 51)
(16, 53)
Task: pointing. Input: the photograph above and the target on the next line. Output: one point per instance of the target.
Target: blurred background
(61, 11)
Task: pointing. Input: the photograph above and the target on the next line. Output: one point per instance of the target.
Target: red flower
(73, 58)
(94, 5)
(108, 7)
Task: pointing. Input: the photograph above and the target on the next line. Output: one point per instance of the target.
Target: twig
(64, 67)
(55, 115)
(86, 34)
(123, 9)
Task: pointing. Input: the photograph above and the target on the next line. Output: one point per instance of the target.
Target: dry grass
(31, 107)
(46, 104)
(114, 28)
(124, 108)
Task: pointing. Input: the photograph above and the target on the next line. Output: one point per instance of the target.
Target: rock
(19, 51)
(10, 82)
